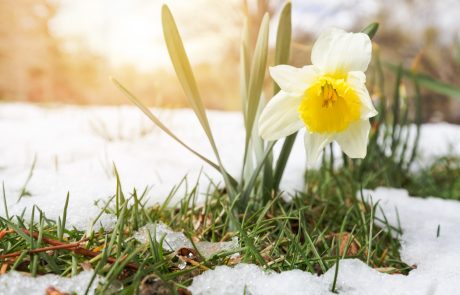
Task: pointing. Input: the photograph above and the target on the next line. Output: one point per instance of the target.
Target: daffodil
(329, 98)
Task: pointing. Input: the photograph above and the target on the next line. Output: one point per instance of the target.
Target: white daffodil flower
(329, 98)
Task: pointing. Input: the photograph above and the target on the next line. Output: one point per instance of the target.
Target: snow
(436, 258)
(76, 147)
(225, 280)
(173, 241)
(16, 283)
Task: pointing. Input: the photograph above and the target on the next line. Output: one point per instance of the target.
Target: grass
(326, 222)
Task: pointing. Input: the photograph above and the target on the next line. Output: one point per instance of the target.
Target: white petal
(291, 79)
(314, 144)
(357, 81)
(280, 117)
(339, 51)
(353, 141)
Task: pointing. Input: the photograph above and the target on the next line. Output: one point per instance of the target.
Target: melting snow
(436, 258)
(16, 283)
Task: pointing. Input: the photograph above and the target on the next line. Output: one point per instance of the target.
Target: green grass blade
(396, 111)
(418, 122)
(250, 185)
(5, 205)
(62, 224)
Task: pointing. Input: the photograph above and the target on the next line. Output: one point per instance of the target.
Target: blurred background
(63, 51)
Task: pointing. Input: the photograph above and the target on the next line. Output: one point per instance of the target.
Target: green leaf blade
(257, 76)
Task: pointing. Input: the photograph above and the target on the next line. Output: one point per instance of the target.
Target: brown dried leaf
(347, 240)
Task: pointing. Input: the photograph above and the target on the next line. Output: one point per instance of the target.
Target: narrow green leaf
(396, 109)
(5, 205)
(283, 46)
(371, 29)
(382, 107)
(254, 88)
(283, 38)
(244, 69)
(64, 217)
(256, 79)
(119, 195)
(429, 82)
(267, 181)
(282, 159)
(250, 185)
(186, 78)
(182, 67)
(418, 122)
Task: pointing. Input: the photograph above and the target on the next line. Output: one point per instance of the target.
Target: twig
(43, 249)
(79, 250)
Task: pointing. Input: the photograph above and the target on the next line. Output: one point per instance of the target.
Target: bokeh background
(63, 51)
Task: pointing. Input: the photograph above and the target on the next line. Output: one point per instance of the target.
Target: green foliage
(429, 82)
(311, 233)
(441, 179)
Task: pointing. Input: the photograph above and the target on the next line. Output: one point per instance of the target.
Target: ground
(49, 151)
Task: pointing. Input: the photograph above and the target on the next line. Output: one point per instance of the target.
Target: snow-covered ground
(75, 149)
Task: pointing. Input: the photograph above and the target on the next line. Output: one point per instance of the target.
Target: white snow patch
(224, 280)
(436, 257)
(16, 283)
